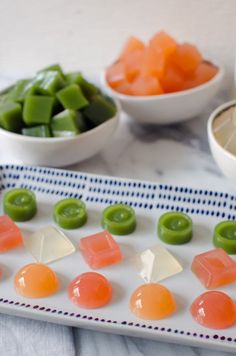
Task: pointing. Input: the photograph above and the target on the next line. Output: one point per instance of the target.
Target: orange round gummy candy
(152, 301)
(36, 280)
(215, 310)
(90, 290)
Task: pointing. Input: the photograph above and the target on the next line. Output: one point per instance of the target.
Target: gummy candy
(152, 301)
(214, 310)
(36, 280)
(90, 290)
(100, 250)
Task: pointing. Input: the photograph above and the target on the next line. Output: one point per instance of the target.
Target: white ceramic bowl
(224, 159)
(167, 108)
(56, 151)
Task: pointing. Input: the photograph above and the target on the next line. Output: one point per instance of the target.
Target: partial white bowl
(224, 159)
(56, 151)
(167, 108)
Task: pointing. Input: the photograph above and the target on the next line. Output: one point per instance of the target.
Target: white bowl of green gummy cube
(55, 119)
(57, 151)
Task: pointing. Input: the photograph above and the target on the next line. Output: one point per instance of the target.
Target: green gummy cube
(99, 110)
(64, 124)
(81, 122)
(57, 107)
(88, 89)
(36, 131)
(54, 67)
(110, 100)
(49, 82)
(37, 109)
(11, 116)
(4, 98)
(71, 97)
(21, 89)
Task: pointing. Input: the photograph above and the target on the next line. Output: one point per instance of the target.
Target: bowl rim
(51, 140)
(217, 78)
(211, 135)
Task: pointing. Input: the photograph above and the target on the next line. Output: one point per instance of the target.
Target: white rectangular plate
(149, 200)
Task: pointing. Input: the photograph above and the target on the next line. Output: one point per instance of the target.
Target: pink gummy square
(214, 268)
(100, 250)
(10, 234)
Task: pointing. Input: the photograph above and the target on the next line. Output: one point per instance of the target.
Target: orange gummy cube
(204, 72)
(133, 44)
(100, 250)
(124, 88)
(161, 66)
(115, 74)
(162, 42)
(186, 57)
(153, 63)
(10, 235)
(132, 63)
(173, 80)
(147, 85)
(214, 268)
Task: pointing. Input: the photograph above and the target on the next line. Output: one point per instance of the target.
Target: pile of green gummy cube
(54, 104)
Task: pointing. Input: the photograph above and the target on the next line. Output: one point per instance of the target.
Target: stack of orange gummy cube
(161, 66)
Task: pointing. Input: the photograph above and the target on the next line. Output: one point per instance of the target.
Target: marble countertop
(177, 154)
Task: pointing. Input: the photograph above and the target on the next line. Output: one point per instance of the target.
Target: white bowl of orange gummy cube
(163, 81)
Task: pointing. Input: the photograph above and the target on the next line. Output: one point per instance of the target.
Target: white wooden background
(87, 34)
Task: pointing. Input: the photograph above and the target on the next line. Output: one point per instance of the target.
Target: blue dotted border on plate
(125, 323)
(132, 192)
